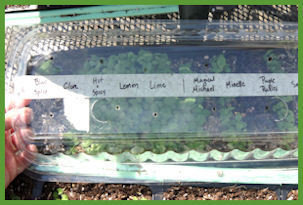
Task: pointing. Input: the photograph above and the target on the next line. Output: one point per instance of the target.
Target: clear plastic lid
(127, 102)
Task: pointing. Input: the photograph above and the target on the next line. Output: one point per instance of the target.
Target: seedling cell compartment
(162, 104)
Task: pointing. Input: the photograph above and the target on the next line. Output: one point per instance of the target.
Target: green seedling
(186, 68)
(47, 68)
(142, 62)
(92, 148)
(137, 198)
(13, 196)
(59, 195)
(219, 64)
(286, 117)
(73, 141)
(272, 61)
(91, 66)
(137, 150)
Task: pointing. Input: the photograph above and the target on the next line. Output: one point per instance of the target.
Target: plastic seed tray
(162, 104)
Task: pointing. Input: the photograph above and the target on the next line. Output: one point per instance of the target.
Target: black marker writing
(97, 80)
(269, 81)
(39, 81)
(128, 85)
(203, 80)
(203, 88)
(153, 85)
(69, 85)
(294, 84)
(269, 88)
(99, 92)
(239, 84)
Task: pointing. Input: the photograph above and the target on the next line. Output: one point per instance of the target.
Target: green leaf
(134, 198)
(60, 191)
(221, 62)
(190, 100)
(56, 196)
(184, 69)
(14, 197)
(64, 197)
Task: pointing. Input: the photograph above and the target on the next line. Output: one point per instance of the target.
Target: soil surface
(292, 195)
(225, 193)
(80, 191)
(21, 188)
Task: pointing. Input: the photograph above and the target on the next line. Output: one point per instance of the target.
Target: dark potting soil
(225, 193)
(83, 191)
(21, 188)
(292, 195)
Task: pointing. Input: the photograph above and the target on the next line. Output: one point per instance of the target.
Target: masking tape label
(157, 85)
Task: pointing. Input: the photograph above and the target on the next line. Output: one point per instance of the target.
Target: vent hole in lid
(155, 114)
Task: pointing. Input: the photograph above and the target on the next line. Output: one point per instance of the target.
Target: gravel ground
(21, 188)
